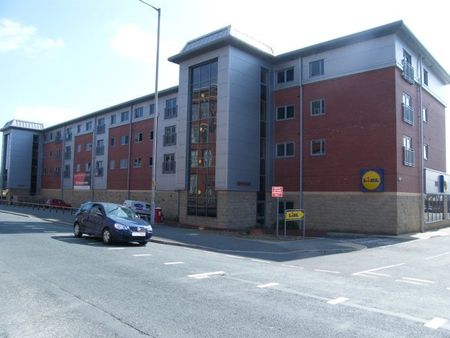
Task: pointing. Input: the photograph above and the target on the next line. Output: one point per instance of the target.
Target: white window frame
(321, 142)
(285, 150)
(321, 107)
(321, 63)
(285, 112)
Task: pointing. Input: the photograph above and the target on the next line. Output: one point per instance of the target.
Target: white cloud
(48, 115)
(132, 42)
(15, 36)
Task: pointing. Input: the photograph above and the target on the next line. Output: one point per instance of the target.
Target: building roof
(229, 36)
(125, 104)
(219, 38)
(19, 124)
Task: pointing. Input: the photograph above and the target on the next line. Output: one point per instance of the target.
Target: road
(55, 285)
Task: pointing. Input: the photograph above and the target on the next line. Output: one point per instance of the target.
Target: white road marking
(116, 248)
(207, 274)
(435, 323)
(233, 256)
(192, 234)
(364, 273)
(142, 255)
(337, 300)
(292, 266)
(173, 263)
(38, 228)
(268, 285)
(410, 282)
(260, 261)
(419, 280)
(326, 271)
(436, 256)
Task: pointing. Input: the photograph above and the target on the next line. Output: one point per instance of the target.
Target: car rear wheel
(106, 236)
(77, 231)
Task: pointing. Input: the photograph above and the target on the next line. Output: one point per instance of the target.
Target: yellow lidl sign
(294, 215)
(372, 180)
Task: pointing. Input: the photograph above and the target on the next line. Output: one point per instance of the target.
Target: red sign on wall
(277, 191)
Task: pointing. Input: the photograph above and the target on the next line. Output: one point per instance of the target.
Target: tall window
(171, 109)
(408, 111)
(408, 152)
(317, 147)
(317, 107)
(170, 136)
(202, 196)
(138, 112)
(124, 116)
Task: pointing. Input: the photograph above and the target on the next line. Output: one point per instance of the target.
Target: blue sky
(60, 59)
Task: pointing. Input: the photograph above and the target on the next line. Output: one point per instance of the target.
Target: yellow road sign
(294, 215)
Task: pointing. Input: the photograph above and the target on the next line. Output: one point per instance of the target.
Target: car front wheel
(77, 231)
(106, 236)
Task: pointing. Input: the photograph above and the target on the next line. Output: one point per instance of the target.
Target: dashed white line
(435, 323)
(327, 271)
(173, 263)
(207, 274)
(436, 256)
(292, 266)
(260, 261)
(268, 285)
(419, 280)
(415, 281)
(142, 255)
(337, 300)
(116, 248)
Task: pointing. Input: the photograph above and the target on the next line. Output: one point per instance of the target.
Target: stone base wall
(235, 210)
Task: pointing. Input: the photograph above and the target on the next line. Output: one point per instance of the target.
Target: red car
(57, 203)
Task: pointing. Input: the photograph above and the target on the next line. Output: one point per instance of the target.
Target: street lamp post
(155, 124)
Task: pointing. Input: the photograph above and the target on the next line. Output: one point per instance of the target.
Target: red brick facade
(51, 176)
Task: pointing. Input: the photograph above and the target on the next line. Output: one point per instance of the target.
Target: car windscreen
(119, 211)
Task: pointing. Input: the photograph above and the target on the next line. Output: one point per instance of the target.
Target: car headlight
(149, 228)
(119, 226)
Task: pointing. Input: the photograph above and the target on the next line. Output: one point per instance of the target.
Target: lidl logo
(372, 180)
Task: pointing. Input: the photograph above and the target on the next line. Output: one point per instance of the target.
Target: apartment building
(352, 128)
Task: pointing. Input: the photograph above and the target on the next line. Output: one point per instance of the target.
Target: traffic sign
(277, 192)
(294, 215)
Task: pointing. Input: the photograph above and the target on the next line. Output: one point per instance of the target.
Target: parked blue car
(112, 222)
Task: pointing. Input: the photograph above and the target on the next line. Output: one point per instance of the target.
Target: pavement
(251, 245)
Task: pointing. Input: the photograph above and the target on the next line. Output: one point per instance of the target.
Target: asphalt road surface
(55, 285)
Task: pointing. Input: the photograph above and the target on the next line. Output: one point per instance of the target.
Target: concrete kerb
(269, 245)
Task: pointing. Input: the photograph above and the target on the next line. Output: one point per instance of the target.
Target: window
(151, 134)
(408, 152)
(318, 147)
(124, 116)
(113, 119)
(68, 135)
(113, 142)
(425, 77)
(56, 171)
(169, 164)
(78, 167)
(426, 149)
(88, 146)
(317, 107)
(408, 69)
(152, 109)
(408, 111)
(171, 108)
(78, 148)
(138, 137)
(87, 167)
(98, 168)
(138, 112)
(150, 161)
(67, 171)
(88, 125)
(124, 139)
(316, 68)
(112, 164)
(123, 163)
(101, 125)
(100, 147)
(79, 128)
(137, 162)
(170, 136)
(425, 114)
(51, 136)
(285, 149)
(285, 75)
(285, 112)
